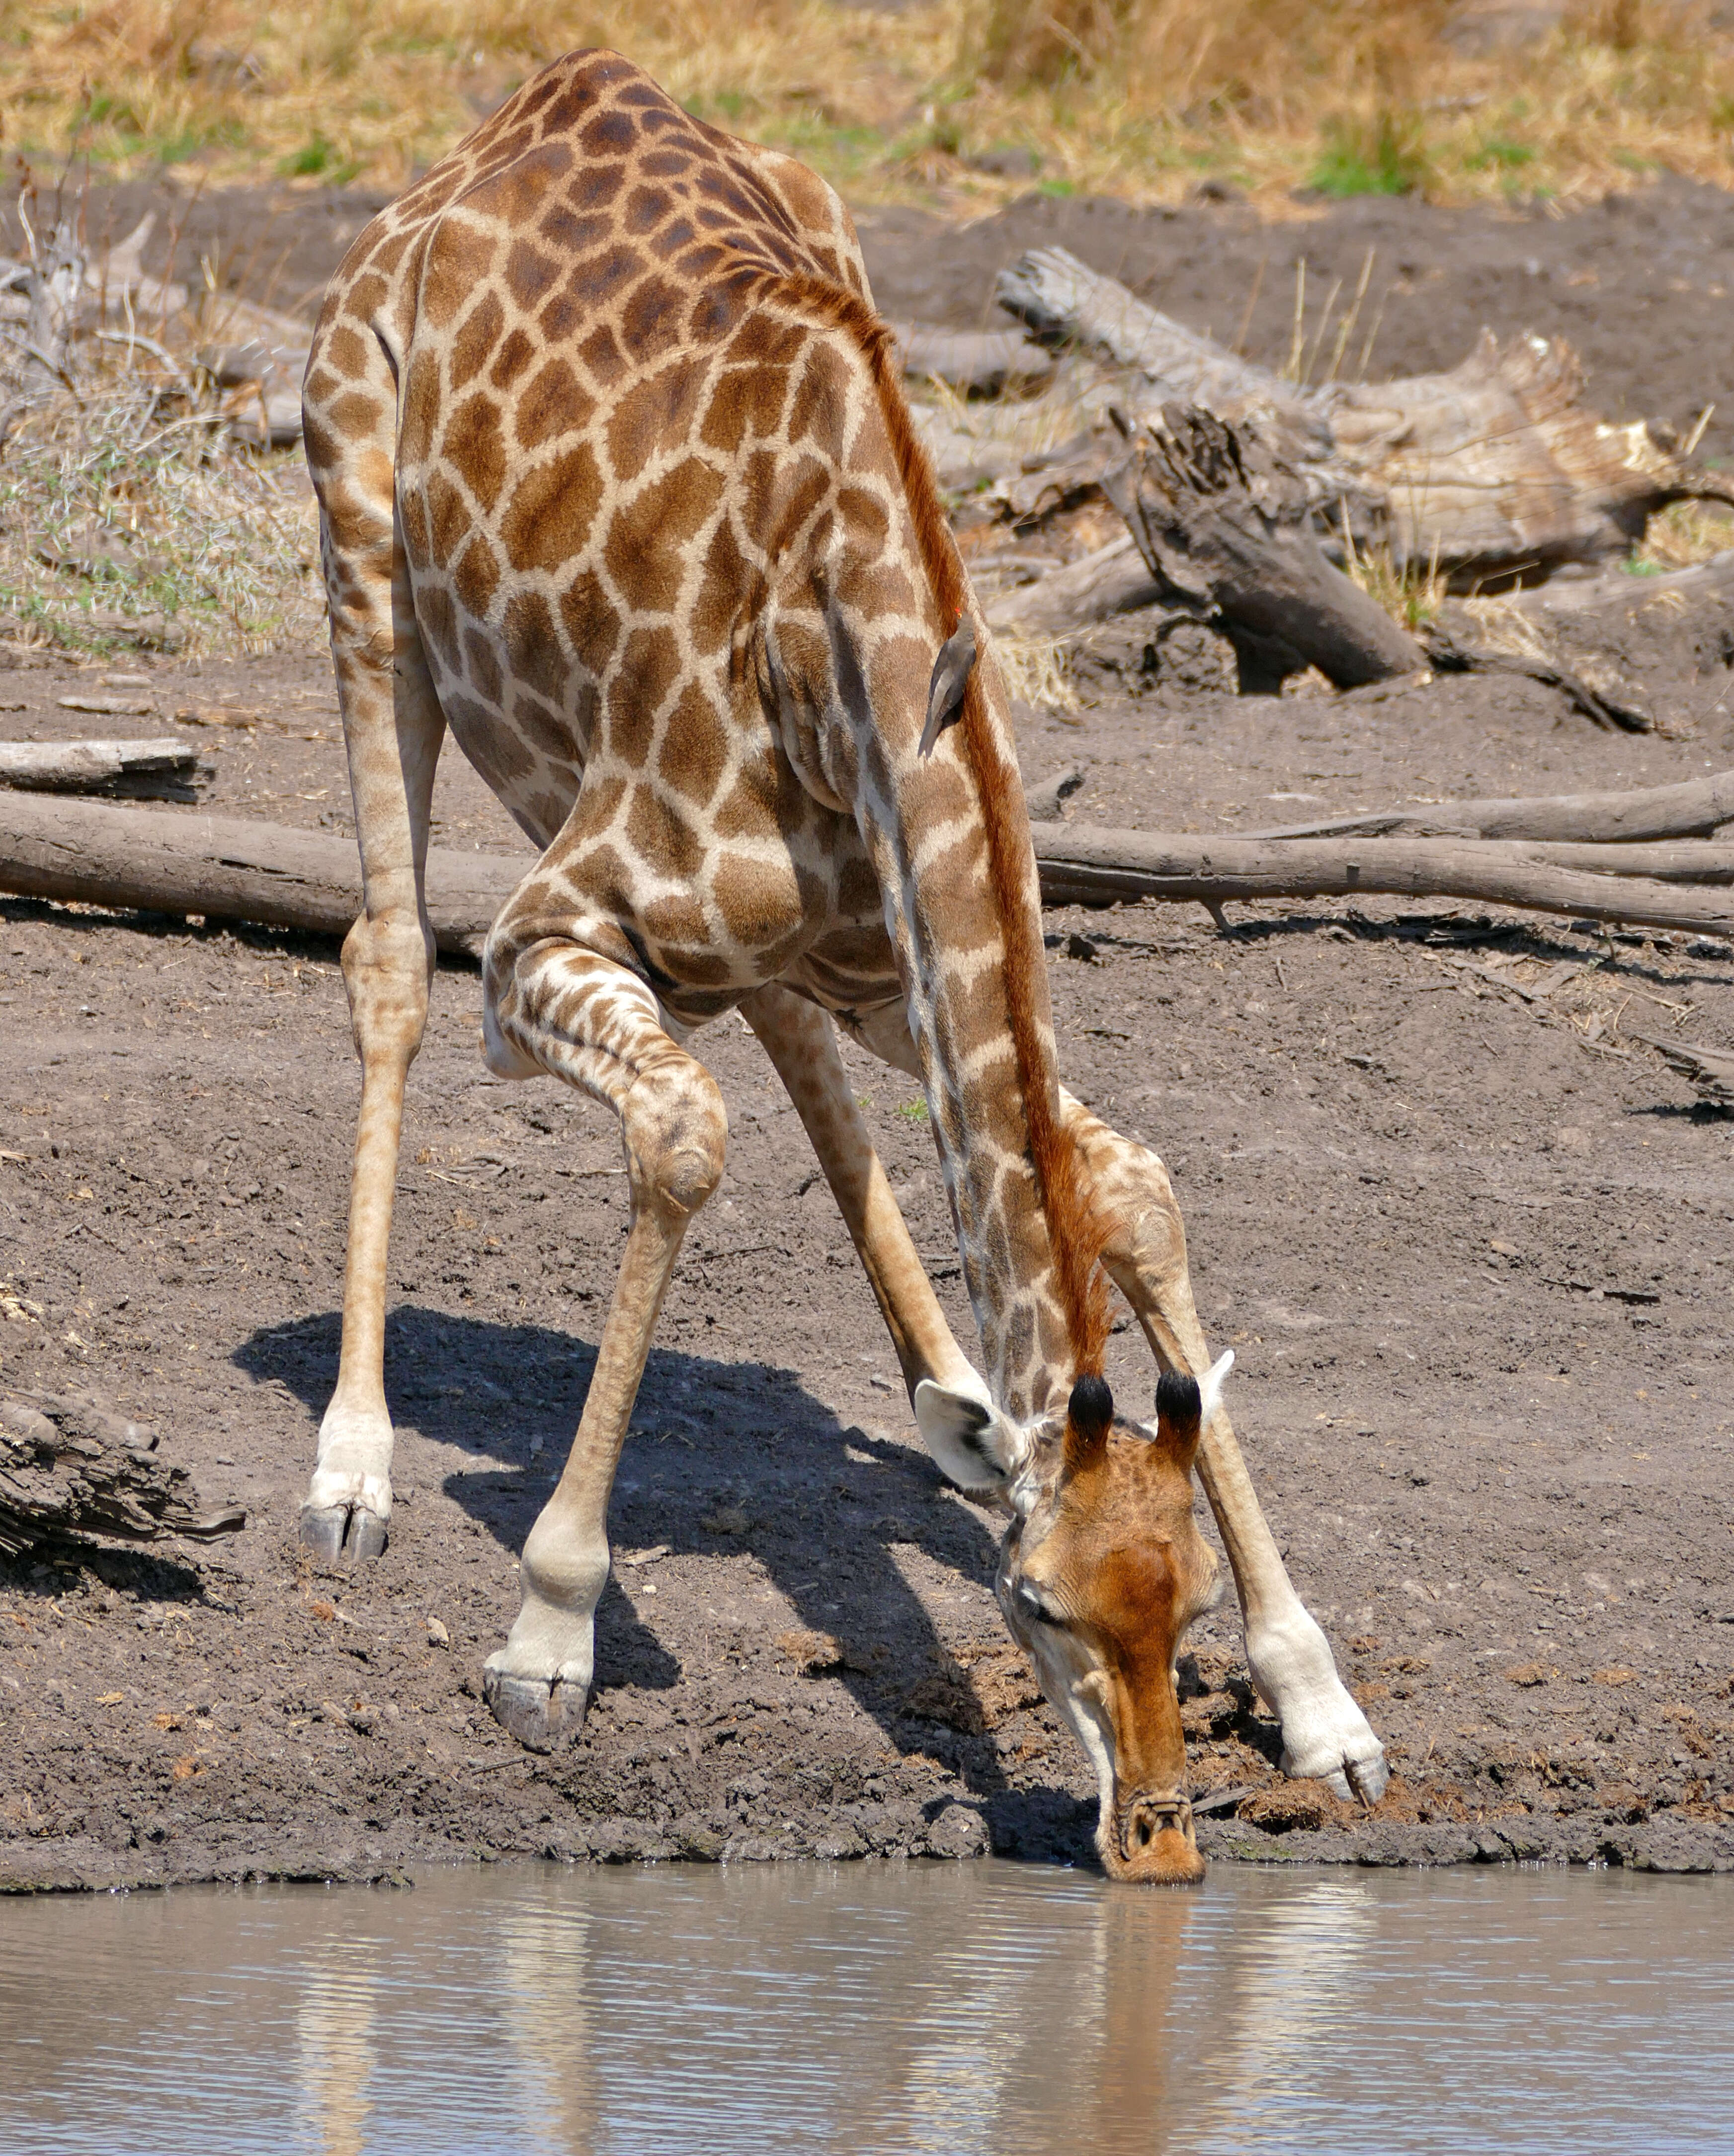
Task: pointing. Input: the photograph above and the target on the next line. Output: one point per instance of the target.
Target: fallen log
(1112, 580)
(1495, 469)
(1084, 866)
(69, 1468)
(1448, 653)
(230, 868)
(1212, 522)
(1690, 810)
(76, 767)
(981, 360)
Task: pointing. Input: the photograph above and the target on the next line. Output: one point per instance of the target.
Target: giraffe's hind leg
(551, 1005)
(393, 728)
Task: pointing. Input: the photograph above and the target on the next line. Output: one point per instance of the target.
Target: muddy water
(958, 2008)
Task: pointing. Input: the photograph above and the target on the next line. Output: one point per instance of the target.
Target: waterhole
(983, 2007)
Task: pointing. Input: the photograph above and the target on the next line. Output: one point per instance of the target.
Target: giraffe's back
(601, 441)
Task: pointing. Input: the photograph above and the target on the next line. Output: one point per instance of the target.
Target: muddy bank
(1473, 1267)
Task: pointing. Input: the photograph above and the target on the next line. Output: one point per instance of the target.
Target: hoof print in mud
(543, 1718)
(343, 1534)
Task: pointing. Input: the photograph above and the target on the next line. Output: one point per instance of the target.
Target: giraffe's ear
(1210, 1386)
(969, 1438)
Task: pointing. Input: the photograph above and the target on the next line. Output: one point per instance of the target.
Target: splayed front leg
(1324, 1735)
(554, 1006)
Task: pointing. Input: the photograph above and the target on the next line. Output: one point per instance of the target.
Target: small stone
(438, 1636)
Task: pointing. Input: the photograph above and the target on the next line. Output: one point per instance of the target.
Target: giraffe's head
(1100, 1572)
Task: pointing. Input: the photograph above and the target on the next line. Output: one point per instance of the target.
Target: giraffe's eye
(1035, 1605)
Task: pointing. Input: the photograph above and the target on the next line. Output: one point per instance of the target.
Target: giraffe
(618, 483)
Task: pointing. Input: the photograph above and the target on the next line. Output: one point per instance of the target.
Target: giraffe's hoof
(340, 1534)
(543, 1717)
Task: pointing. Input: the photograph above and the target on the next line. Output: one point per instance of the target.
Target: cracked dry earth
(1470, 1241)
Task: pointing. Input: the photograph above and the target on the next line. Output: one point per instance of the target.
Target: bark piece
(1690, 810)
(1082, 865)
(1710, 1070)
(69, 1468)
(1215, 526)
(1497, 468)
(76, 767)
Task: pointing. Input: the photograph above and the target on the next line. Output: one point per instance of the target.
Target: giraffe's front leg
(1324, 1733)
(559, 1008)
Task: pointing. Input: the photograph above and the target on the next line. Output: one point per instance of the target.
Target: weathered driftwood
(1690, 810)
(1495, 469)
(1618, 590)
(52, 288)
(1061, 301)
(76, 767)
(1112, 580)
(224, 868)
(1084, 866)
(69, 1468)
(1215, 525)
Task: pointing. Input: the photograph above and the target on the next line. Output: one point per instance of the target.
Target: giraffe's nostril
(1144, 1833)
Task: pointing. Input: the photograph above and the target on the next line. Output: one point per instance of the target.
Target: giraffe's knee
(388, 965)
(676, 1132)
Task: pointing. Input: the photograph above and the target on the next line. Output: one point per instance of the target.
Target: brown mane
(1075, 1235)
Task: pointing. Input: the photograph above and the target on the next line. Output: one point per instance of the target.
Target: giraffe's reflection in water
(968, 2009)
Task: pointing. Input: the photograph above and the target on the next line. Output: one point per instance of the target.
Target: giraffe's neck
(850, 639)
(957, 958)
(954, 955)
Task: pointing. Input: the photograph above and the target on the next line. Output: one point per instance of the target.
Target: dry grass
(1140, 97)
(1681, 536)
(1035, 670)
(127, 516)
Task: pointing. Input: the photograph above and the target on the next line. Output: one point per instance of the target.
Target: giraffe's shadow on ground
(723, 1457)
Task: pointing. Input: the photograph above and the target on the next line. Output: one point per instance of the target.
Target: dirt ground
(1483, 1344)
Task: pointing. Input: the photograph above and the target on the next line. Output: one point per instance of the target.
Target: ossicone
(1089, 1418)
(1179, 1407)
(1183, 1405)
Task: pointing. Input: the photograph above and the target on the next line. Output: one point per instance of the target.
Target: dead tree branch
(1082, 866)
(1692, 810)
(1217, 527)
